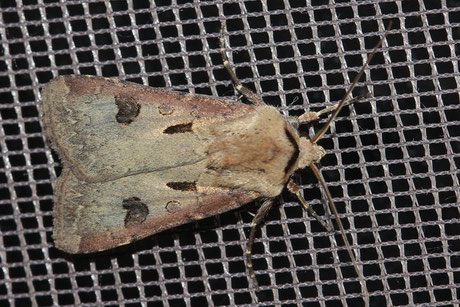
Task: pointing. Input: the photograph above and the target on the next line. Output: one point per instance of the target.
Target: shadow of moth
(138, 160)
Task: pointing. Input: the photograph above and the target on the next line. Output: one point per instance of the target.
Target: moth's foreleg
(256, 221)
(294, 189)
(250, 95)
(312, 116)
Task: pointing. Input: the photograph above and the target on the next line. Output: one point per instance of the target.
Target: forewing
(91, 217)
(105, 129)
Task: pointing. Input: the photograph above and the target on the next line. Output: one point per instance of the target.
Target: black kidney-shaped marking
(137, 211)
(128, 109)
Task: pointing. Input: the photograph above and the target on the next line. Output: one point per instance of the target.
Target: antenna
(320, 177)
(350, 88)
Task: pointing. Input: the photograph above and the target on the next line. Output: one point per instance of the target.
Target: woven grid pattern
(391, 165)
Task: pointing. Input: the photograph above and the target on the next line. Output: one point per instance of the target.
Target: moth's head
(309, 153)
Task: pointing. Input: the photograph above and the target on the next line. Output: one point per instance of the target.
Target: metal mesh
(391, 165)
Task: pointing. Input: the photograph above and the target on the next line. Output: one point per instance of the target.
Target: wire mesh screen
(391, 161)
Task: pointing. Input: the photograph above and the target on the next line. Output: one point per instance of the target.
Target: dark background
(391, 165)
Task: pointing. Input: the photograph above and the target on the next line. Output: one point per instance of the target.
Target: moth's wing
(91, 217)
(106, 129)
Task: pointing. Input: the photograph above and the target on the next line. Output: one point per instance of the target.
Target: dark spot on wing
(137, 211)
(295, 154)
(128, 109)
(182, 185)
(179, 128)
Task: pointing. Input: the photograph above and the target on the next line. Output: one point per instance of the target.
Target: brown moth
(138, 160)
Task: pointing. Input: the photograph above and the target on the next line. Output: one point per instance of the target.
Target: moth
(138, 160)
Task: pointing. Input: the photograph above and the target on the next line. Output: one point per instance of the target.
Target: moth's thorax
(309, 153)
(256, 152)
